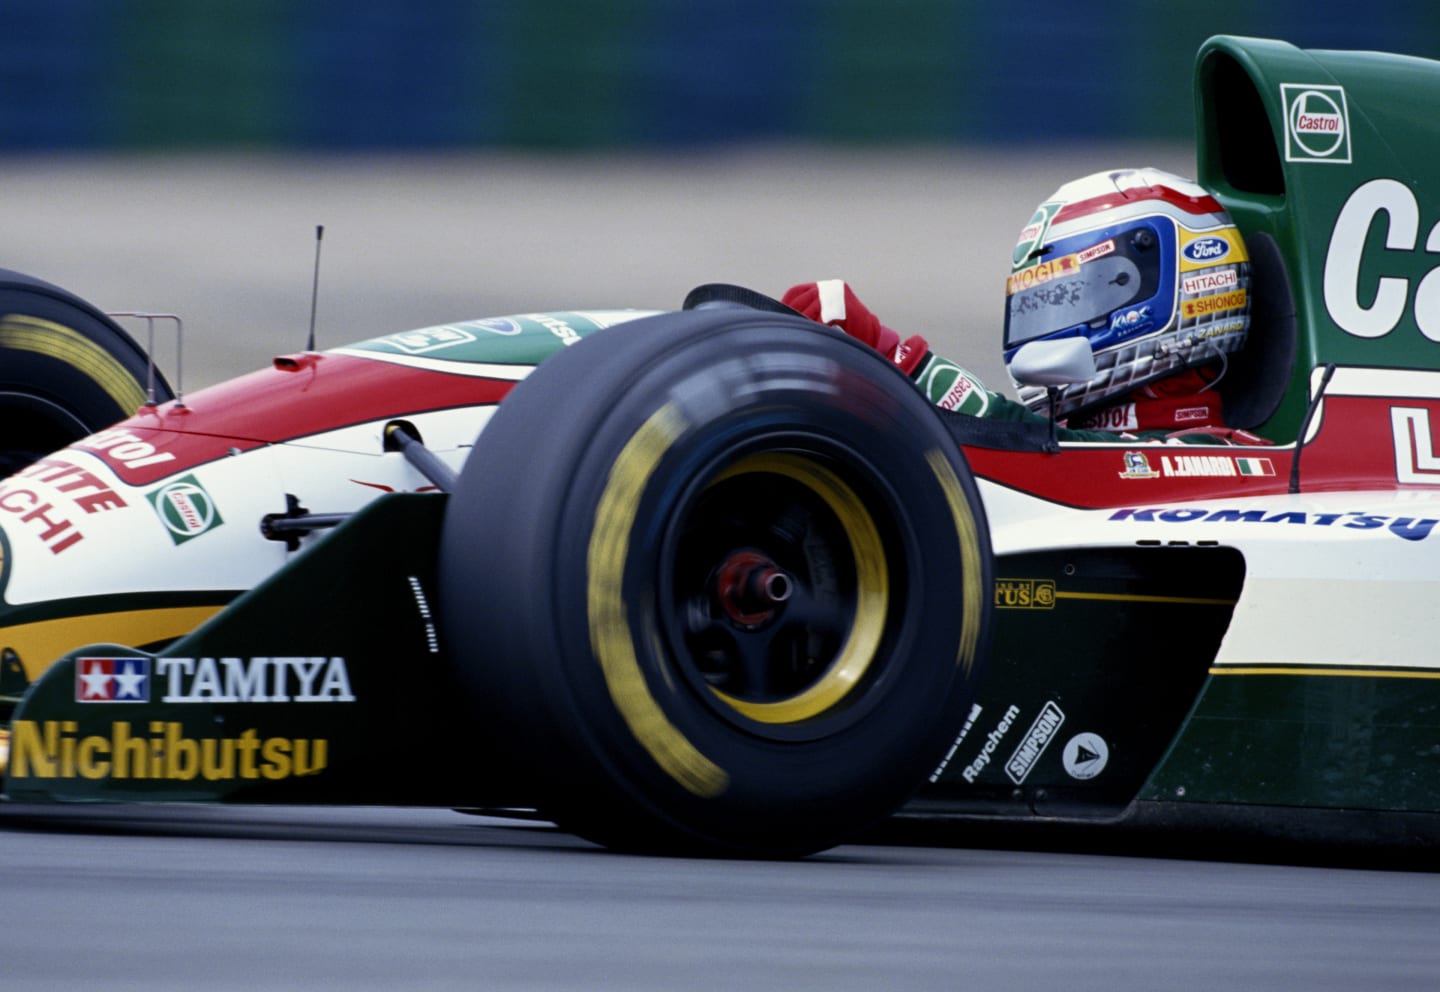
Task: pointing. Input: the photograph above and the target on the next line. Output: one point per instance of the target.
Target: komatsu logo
(54, 749)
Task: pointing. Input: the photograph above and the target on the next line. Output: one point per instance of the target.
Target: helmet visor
(1080, 282)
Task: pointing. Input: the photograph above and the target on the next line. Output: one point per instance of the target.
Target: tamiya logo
(1206, 249)
(185, 508)
(1317, 123)
(112, 680)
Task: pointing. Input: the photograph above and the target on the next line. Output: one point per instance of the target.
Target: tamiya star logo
(112, 680)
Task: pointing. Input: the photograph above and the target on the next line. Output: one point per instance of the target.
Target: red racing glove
(833, 302)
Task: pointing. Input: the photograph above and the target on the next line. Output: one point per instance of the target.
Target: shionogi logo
(185, 508)
(112, 680)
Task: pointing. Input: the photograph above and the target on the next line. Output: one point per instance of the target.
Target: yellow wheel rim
(872, 591)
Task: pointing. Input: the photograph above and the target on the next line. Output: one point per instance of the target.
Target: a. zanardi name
(1410, 528)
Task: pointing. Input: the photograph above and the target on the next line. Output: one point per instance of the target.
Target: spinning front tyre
(718, 582)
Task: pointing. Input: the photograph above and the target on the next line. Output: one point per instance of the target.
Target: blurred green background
(576, 74)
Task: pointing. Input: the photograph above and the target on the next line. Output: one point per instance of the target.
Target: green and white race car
(721, 580)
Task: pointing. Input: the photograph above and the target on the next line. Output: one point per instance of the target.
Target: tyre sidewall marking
(972, 593)
(610, 635)
(72, 349)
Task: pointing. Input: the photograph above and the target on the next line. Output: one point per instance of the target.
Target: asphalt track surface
(285, 898)
(171, 898)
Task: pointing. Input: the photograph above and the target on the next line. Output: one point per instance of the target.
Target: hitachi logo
(53, 749)
(254, 680)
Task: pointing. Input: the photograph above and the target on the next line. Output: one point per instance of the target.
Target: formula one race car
(722, 580)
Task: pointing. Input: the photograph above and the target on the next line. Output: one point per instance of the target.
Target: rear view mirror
(1059, 362)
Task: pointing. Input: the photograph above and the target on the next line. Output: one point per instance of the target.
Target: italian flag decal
(1254, 466)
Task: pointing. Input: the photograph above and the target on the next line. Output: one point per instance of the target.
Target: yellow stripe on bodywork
(43, 642)
(610, 635)
(972, 603)
(44, 337)
(1372, 673)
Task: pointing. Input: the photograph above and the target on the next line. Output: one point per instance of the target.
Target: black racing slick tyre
(66, 370)
(718, 582)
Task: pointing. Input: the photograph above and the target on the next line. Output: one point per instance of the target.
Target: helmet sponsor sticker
(1209, 282)
(1213, 304)
(1317, 123)
(1206, 249)
(1065, 265)
(1032, 235)
(185, 508)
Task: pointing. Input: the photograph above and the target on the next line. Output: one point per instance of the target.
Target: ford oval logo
(1207, 249)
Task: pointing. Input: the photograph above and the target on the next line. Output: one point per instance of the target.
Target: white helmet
(1145, 265)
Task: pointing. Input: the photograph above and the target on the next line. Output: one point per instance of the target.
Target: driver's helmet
(1145, 265)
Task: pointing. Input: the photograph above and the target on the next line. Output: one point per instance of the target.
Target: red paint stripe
(298, 400)
(1190, 204)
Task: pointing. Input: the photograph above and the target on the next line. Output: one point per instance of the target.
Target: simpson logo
(185, 508)
(1024, 594)
(429, 339)
(112, 680)
(1034, 743)
(1317, 123)
(1096, 251)
(1209, 282)
(54, 749)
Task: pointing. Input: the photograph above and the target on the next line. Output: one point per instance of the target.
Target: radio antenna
(315, 285)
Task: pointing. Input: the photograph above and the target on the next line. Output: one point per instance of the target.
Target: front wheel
(66, 370)
(719, 583)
